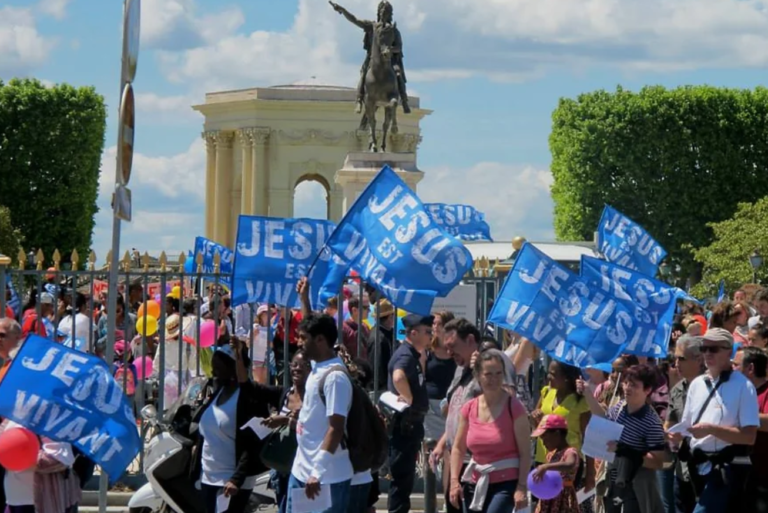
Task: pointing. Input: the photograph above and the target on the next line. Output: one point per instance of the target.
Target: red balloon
(19, 448)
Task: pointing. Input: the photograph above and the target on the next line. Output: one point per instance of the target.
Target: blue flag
(560, 312)
(272, 254)
(189, 264)
(462, 221)
(71, 397)
(651, 302)
(393, 243)
(14, 303)
(226, 266)
(721, 295)
(626, 243)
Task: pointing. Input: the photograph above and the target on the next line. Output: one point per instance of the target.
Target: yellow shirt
(571, 408)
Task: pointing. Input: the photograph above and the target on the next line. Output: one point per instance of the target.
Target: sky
(492, 71)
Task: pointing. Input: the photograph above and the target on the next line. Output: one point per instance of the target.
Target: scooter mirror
(149, 412)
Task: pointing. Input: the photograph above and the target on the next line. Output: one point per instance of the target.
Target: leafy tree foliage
(673, 160)
(10, 237)
(727, 257)
(51, 140)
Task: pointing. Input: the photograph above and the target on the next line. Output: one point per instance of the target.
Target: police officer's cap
(413, 321)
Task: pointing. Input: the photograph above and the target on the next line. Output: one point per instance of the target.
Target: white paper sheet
(256, 425)
(681, 428)
(390, 399)
(581, 496)
(301, 504)
(600, 431)
(222, 503)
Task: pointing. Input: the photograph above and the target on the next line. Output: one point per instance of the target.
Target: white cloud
(174, 108)
(499, 39)
(177, 176)
(54, 8)
(176, 24)
(515, 198)
(22, 47)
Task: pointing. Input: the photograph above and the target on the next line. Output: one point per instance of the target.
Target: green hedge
(673, 160)
(51, 140)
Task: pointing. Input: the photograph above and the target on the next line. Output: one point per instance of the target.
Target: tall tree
(735, 239)
(51, 139)
(673, 160)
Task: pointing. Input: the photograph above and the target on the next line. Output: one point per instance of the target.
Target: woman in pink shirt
(495, 479)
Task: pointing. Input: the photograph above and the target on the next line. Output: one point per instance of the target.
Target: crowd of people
(695, 424)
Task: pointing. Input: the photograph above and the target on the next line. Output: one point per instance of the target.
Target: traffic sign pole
(129, 61)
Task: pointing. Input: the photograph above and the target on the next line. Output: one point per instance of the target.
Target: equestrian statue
(382, 76)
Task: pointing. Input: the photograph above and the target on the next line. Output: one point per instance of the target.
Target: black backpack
(366, 436)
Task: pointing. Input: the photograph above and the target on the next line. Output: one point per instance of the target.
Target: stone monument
(381, 84)
(262, 142)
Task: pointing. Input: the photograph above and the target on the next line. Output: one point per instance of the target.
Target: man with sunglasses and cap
(721, 417)
(406, 380)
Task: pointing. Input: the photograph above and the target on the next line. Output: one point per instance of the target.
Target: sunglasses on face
(680, 358)
(713, 349)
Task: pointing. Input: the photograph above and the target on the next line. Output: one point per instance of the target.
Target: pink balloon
(158, 298)
(208, 333)
(144, 367)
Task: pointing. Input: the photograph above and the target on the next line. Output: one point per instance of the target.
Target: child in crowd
(562, 458)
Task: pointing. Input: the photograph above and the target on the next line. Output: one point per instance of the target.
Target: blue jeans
(279, 484)
(358, 498)
(500, 497)
(719, 496)
(666, 480)
(339, 495)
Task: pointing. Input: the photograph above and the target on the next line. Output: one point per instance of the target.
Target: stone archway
(318, 179)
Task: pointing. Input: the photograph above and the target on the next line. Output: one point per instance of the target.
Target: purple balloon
(548, 488)
(158, 298)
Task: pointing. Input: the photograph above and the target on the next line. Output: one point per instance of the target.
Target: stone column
(336, 204)
(223, 187)
(246, 143)
(210, 182)
(260, 183)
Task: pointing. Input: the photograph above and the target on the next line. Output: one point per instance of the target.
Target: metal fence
(142, 279)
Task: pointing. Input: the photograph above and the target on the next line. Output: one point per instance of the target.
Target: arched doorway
(311, 197)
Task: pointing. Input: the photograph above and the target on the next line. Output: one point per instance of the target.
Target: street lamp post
(756, 261)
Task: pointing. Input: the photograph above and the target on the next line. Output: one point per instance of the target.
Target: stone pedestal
(360, 168)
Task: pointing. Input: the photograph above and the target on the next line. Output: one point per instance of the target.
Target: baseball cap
(719, 335)
(550, 422)
(46, 298)
(413, 321)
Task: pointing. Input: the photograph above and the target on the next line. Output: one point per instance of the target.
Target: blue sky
(491, 70)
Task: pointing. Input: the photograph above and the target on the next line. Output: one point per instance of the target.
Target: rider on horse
(384, 18)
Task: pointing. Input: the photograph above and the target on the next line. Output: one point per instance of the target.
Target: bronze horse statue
(381, 87)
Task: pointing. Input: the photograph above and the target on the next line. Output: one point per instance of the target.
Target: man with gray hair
(722, 412)
(690, 365)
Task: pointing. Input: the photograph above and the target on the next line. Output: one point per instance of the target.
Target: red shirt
(31, 325)
(760, 450)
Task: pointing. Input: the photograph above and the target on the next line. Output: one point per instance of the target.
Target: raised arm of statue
(363, 24)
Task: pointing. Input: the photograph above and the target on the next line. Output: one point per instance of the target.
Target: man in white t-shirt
(320, 460)
(79, 326)
(722, 429)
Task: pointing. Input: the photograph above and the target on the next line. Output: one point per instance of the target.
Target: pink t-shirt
(493, 441)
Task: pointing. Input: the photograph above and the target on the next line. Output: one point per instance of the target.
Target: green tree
(51, 140)
(10, 237)
(727, 257)
(673, 160)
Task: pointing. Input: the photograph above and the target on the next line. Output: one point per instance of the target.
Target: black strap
(725, 376)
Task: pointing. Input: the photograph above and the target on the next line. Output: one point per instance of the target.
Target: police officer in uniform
(406, 380)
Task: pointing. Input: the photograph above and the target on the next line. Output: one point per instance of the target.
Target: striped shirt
(643, 430)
